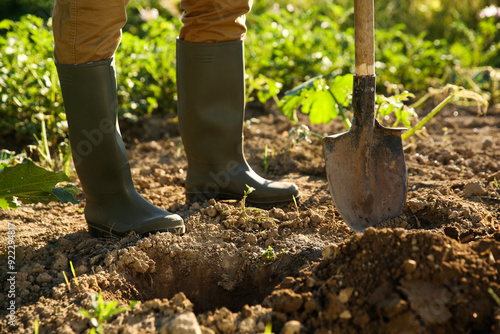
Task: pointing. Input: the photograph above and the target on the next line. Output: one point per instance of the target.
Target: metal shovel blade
(365, 166)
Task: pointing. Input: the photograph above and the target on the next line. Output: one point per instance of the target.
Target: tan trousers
(90, 30)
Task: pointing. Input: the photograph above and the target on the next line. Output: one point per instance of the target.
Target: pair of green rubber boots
(211, 95)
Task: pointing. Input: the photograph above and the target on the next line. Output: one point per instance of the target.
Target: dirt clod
(291, 327)
(183, 323)
(474, 189)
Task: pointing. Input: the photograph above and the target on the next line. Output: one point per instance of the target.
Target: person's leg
(208, 21)
(87, 30)
(211, 105)
(85, 42)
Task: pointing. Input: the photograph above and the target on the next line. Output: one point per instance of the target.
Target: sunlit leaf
(342, 88)
(33, 184)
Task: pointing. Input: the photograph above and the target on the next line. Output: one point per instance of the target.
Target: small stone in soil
(251, 239)
(474, 189)
(291, 327)
(416, 205)
(330, 251)
(409, 266)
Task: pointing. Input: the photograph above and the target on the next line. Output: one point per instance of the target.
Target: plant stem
(45, 143)
(428, 117)
(494, 296)
(265, 160)
(377, 112)
(347, 123)
(317, 135)
(420, 101)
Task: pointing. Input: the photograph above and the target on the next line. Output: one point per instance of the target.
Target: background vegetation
(419, 44)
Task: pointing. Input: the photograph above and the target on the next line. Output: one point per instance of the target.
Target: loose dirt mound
(434, 269)
(394, 281)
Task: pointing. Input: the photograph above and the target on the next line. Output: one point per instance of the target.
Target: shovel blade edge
(367, 181)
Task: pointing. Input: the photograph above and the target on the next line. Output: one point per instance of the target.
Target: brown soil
(431, 270)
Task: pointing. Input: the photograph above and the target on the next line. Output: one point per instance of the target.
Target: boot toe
(122, 214)
(170, 222)
(275, 193)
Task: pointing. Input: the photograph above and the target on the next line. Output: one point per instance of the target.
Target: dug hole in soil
(434, 269)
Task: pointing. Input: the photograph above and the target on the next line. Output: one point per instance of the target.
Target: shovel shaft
(364, 37)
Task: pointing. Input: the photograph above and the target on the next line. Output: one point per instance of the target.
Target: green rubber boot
(211, 107)
(113, 204)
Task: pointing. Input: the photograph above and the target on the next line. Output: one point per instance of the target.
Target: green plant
(266, 164)
(35, 326)
(287, 43)
(453, 92)
(141, 11)
(146, 69)
(67, 281)
(262, 87)
(102, 311)
(74, 274)
(494, 296)
(323, 102)
(302, 133)
(296, 205)
(29, 183)
(258, 215)
(61, 159)
(245, 195)
(28, 81)
(395, 104)
(476, 46)
(268, 254)
(74, 277)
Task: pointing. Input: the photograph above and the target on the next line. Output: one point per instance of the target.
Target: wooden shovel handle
(364, 37)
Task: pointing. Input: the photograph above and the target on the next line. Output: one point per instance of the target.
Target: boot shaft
(211, 100)
(211, 97)
(90, 101)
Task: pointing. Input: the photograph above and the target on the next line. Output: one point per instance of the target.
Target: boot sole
(100, 233)
(201, 197)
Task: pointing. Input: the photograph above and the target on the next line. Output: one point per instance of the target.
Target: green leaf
(269, 88)
(289, 105)
(6, 24)
(66, 194)
(85, 313)
(341, 88)
(386, 109)
(306, 85)
(318, 99)
(32, 184)
(323, 108)
(9, 203)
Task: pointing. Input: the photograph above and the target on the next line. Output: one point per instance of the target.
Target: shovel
(365, 166)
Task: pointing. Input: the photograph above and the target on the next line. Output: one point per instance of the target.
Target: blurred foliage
(146, 69)
(14, 9)
(29, 88)
(419, 44)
